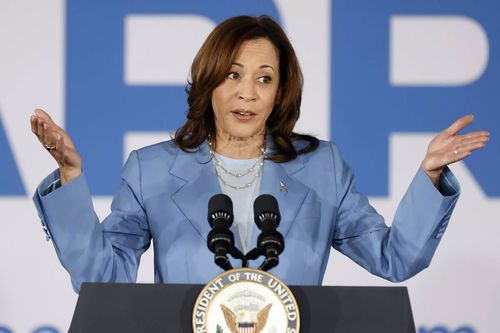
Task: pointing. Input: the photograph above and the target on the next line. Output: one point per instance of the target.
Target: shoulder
(161, 154)
(165, 151)
(168, 147)
(318, 170)
(326, 150)
(324, 162)
(168, 154)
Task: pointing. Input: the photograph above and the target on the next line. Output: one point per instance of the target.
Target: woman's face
(244, 100)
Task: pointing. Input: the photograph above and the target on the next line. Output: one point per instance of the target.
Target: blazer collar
(201, 183)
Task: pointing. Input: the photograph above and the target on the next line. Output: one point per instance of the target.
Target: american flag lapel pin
(283, 187)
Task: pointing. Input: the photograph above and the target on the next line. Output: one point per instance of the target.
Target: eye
(264, 79)
(233, 75)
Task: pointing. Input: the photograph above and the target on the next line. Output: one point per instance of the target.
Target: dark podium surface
(126, 308)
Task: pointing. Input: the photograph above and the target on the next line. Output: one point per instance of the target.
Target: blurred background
(381, 79)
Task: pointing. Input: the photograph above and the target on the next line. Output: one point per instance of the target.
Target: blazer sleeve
(398, 252)
(88, 250)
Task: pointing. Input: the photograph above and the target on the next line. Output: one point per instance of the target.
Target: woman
(244, 100)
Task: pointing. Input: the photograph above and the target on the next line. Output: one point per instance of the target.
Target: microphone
(220, 239)
(270, 242)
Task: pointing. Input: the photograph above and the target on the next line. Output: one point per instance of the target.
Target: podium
(124, 307)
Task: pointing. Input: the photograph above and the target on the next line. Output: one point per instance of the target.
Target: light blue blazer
(163, 197)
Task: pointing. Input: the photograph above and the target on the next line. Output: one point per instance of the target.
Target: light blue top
(242, 198)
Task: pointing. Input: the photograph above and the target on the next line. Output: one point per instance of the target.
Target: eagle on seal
(239, 327)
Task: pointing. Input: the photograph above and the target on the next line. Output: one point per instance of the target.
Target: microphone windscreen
(220, 205)
(266, 207)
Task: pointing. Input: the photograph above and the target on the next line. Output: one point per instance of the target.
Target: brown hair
(210, 68)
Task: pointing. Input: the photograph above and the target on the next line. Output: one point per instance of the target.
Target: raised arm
(88, 250)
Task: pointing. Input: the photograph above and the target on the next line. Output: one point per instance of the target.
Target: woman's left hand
(449, 147)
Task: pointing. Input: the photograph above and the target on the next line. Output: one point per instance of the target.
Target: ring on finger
(456, 151)
(50, 146)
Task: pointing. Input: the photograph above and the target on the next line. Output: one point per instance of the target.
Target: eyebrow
(261, 66)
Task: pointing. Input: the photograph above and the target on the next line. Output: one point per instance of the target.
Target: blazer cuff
(448, 184)
(50, 195)
(434, 206)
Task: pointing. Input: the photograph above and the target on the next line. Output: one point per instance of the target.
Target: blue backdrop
(365, 108)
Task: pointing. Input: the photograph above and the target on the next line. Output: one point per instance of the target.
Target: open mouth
(243, 114)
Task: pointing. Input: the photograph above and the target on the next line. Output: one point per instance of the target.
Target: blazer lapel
(197, 170)
(290, 193)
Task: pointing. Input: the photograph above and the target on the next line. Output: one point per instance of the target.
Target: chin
(248, 133)
(243, 130)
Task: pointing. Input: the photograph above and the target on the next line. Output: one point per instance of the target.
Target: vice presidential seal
(246, 300)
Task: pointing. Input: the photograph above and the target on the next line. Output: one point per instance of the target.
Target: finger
(460, 124)
(49, 132)
(33, 124)
(469, 148)
(461, 154)
(50, 139)
(46, 135)
(458, 154)
(59, 152)
(46, 117)
(40, 129)
(42, 114)
(469, 141)
(475, 135)
(35, 127)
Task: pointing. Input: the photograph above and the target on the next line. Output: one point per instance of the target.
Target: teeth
(244, 113)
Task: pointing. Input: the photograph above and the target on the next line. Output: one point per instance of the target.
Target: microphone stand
(267, 264)
(252, 255)
(245, 258)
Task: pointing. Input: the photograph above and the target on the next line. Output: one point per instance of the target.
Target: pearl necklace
(256, 168)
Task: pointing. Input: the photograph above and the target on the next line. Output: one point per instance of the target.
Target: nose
(247, 90)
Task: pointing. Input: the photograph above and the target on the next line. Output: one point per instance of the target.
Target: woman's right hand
(58, 143)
